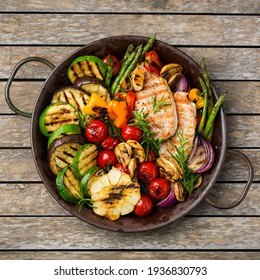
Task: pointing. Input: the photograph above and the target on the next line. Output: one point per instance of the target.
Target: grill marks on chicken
(164, 121)
(186, 111)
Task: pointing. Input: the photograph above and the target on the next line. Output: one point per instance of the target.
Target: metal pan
(58, 78)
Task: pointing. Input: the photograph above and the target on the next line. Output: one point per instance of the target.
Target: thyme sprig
(190, 179)
(157, 105)
(148, 139)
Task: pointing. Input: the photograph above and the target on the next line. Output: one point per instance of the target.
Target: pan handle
(246, 188)
(11, 79)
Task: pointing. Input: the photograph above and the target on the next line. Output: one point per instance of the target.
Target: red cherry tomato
(116, 66)
(151, 156)
(144, 206)
(96, 131)
(122, 168)
(132, 133)
(109, 143)
(106, 157)
(159, 188)
(147, 171)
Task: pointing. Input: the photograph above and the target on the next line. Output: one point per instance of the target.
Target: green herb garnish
(159, 104)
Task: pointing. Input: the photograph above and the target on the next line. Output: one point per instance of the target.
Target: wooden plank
(117, 6)
(227, 30)
(132, 255)
(233, 68)
(19, 200)
(68, 233)
(243, 131)
(235, 102)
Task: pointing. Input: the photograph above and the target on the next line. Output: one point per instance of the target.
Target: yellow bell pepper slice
(95, 101)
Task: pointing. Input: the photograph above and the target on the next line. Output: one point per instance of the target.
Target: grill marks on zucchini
(76, 97)
(87, 65)
(55, 115)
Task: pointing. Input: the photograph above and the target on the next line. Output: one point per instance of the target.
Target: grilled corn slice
(114, 194)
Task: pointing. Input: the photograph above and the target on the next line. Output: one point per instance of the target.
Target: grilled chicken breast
(163, 121)
(186, 111)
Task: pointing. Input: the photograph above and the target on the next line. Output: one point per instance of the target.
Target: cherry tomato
(147, 171)
(151, 156)
(116, 66)
(144, 206)
(106, 157)
(96, 131)
(159, 188)
(122, 168)
(132, 133)
(109, 143)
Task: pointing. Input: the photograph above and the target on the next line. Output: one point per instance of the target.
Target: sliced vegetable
(56, 115)
(96, 106)
(78, 98)
(170, 200)
(118, 112)
(152, 62)
(85, 180)
(183, 84)
(87, 65)
(94, 85)
(114, 194)
(67, 185)
(66, 129)
(130, 101)
(197, 97)
(137, 78)
(85, 158)
(62, 151)
(202, 156)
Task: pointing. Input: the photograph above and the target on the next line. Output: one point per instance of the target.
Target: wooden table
(32, 224)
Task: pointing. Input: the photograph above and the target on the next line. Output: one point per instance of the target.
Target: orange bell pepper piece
(118, 112)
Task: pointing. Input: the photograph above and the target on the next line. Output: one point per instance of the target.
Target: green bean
(205, 107)
(124, 67)
(131, 66)
(212, 116)
(110, 66)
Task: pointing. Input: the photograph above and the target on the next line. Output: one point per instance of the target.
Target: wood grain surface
(226, 33)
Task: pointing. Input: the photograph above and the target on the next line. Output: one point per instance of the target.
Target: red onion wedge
(183, 84)
(202, 156)
(168, 201)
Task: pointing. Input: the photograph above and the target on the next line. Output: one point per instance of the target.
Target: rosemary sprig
(159, 104)
(189, 179)
(148, 140)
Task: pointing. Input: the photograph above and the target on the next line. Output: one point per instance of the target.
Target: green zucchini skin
(56, 115)
(66, 129)
(85, 179)
(85, 158)
(87, 65)
(66, 191)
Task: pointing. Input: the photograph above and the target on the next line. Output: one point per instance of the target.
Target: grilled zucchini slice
(56, 115)
(68, 185)
(85, 158)
(86, 178)
(93, 85)
(63, 150)
(87, 65)
(66, 129)
(78, 98)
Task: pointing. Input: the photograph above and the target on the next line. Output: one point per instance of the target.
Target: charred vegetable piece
(78, 98)
(63, 150)
(96, 106)
(92, 171)
(114, 194)
(56, 115)
(93, 85)
(85, 158)
(137, 78)
(87, 65)
(66, 129)
(67, 185)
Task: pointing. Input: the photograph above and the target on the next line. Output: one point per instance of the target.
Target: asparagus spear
(205, 107)
(147, 46)
(213, 115)
(131, 67)
(110, 66)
